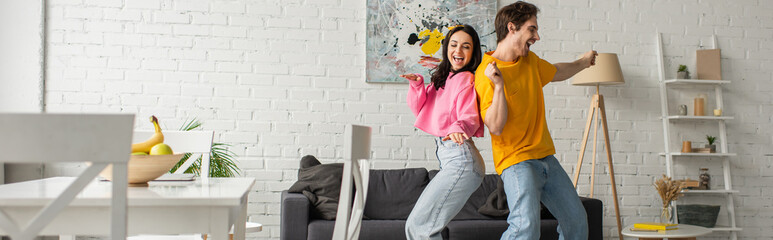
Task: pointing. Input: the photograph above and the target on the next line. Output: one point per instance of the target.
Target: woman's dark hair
(440, 73)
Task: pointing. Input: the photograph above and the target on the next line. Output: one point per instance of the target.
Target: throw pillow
(321, 184)
(393, 193)
(496, 203)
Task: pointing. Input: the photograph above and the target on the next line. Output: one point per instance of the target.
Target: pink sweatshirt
(452, 109)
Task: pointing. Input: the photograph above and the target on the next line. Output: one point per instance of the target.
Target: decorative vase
(683, 110)
(665, 214)
(686, 146)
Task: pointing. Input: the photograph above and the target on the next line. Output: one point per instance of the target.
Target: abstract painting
(405, 36)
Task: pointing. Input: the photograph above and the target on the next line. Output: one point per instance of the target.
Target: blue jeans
(461, 172)
(528, 182)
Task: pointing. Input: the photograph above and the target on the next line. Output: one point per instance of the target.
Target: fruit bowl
(144, 168)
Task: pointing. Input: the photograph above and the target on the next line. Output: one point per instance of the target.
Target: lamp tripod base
(597, 105)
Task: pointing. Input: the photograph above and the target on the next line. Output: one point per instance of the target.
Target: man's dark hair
(516, 13)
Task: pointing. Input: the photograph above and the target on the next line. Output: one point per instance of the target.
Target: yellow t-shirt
(525, 135)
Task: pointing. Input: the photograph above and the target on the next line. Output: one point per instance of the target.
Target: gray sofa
(391, 196)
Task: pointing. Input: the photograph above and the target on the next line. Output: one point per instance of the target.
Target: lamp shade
(606, 71)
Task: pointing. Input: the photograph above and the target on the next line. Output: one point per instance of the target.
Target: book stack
(653, 226)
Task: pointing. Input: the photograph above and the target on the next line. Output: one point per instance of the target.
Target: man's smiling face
(523, 38)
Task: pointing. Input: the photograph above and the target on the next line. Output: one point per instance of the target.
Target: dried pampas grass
(669, 191)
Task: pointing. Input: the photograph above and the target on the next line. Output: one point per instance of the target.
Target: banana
(157, 138)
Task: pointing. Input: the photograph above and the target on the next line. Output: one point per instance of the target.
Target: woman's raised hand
(493, 73)
(456, 137)
(410, 77)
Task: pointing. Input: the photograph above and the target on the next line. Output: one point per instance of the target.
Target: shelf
(695, 81)
(681, 117)
(699, 154)
(688, 191)
(680, 85)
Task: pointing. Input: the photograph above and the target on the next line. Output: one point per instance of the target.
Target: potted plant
(682, 73)
(711, 145)
(221, 160)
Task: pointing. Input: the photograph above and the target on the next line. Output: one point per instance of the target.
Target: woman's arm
(417, 92)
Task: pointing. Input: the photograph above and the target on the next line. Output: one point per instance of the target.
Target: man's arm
(496, 115)
(566, 70)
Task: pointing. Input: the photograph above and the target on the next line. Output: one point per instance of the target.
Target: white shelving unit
(722, 153)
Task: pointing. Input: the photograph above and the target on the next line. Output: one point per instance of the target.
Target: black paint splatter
(413, 39)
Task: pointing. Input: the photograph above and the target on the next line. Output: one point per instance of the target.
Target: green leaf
(711, 139)
(190, 125)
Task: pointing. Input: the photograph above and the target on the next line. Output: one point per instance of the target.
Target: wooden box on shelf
(689, 183)
(701, 150)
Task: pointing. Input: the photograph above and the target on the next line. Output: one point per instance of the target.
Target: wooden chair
(198, 143)
(101, 139)
(356, 172)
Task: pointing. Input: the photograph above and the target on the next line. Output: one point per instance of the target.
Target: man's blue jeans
(461, 172)
(528, 182)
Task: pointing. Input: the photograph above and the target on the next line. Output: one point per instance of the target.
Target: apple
(160, 149)
(139, 153)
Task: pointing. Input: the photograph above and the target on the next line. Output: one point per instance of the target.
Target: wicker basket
(697, 214)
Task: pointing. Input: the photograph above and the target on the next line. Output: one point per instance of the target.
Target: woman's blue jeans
(461, 172)
(528, 182)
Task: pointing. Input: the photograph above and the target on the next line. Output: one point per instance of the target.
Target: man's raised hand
(589, 59)
(493, 73)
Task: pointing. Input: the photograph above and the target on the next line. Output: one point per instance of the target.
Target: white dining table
(165, 207)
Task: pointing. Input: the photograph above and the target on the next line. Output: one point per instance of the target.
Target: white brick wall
(280, 79)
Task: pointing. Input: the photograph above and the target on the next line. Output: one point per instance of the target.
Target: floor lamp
(606, 71)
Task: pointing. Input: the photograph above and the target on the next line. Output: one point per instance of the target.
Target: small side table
(683, 232)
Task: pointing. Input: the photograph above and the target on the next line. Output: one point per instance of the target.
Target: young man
(509, 84)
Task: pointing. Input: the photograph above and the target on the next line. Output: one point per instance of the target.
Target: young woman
(448, 109)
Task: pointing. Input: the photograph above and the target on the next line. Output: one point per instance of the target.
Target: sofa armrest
(594, 209)
(294, 216)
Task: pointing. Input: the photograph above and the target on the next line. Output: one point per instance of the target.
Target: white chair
(101, 139)
(198, 143)
(356, 155)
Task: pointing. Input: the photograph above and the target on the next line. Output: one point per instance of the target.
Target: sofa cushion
(370, 230)
(476, 229)
(321, 184)
(493, 229)
(393, 193)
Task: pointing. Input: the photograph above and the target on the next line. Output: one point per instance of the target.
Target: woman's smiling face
(460, 50)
